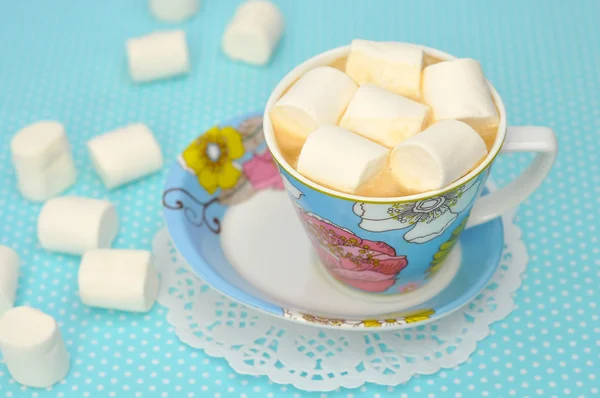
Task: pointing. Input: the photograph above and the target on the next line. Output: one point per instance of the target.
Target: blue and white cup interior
(392, 246)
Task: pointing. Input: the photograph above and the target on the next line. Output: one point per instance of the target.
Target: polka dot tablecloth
(65, 60)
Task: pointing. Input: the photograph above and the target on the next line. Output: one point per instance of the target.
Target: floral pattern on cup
(445, 249)
(363, 264)
(291, 189)
(427, 218)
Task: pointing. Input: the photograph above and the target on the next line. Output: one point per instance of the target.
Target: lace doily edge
(481, 328)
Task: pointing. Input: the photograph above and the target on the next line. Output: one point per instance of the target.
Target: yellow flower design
(410, 317)
(419, 316)
(211, 156)
(371, 323)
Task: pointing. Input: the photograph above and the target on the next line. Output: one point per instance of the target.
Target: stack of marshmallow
(30, 340)
(386, 111)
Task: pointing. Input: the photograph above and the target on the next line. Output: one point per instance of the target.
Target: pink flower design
(262, 172)
(364, 264)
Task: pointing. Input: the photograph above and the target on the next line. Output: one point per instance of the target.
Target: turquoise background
(65, 60)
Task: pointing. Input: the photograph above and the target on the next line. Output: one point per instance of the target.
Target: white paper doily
(316, 359)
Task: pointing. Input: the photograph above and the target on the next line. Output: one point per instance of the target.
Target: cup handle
(519, 139)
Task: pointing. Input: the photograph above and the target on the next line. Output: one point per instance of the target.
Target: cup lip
(326, 58)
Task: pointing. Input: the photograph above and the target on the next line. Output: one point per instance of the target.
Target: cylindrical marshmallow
(158, 55)
(318, 98)
(254, 32)
(174, 10)
(458, 90)
(438, 156)
(382, 116)
(118, 279)
(393, 66)
(71, 224)
(9, 276)
(38, 187)
(125, 155)
(341, 160)
(33, 347)
(42, 158)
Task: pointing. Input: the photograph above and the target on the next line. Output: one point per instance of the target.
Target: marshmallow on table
(382, 116)
(318, 98)
(254, 32)
(458, 90)
(158, 55)
(71, 224)
(341, 160)
(438, 156)
(393, 66)
(174, 10)
(118, 279)
(124, 155)
(9, 276)
(33, 347)
(58, 177)
(42, 158)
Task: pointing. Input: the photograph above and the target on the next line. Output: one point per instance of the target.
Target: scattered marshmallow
(382, 116)
(118, 279)
(393, 66)
(33, 347)
(318, 98)
(158, 55)
(125, 155)
(9, 276)
(438, 156)
(42, 158)
(341, 160)
(254, 32)
(458, 90)
(54, 180)
(174, 10)
(71, 224)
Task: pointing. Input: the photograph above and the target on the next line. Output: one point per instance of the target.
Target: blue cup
(393, 246)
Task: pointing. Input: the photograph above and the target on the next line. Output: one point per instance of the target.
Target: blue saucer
(228, 165)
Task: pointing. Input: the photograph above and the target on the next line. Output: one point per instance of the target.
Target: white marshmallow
(341, 160)
(158, 55)
(254, 32)
(382, 116)
(458, 90)
(9, 276)
(393, 66)
(42, 158)
(438, 156)
(71, 224)
(40, 186)
(318, 98)
(33, 347)
(125, 155)
(118, 279)
(174, 10)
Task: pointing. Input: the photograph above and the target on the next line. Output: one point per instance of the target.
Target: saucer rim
(204, 271)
